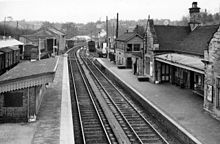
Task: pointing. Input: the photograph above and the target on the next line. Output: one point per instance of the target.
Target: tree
(139, 30)
(70, 29)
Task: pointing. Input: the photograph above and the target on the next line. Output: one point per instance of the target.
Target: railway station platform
(55, 117)
(54, 120)
(180, 105)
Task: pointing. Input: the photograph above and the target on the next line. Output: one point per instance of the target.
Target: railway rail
(90, 124)
(137, 128)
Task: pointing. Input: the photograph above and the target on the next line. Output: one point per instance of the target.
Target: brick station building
(22, 89)
(186, 56)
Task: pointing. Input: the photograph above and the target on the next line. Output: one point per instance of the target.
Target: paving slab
(179, 104)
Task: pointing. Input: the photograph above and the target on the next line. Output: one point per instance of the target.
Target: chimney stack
(194, 12)
(117, 27)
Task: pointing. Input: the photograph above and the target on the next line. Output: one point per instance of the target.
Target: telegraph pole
(117, 27)
(107, 37)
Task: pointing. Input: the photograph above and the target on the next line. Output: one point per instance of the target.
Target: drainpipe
(39, 49)
(28, 111)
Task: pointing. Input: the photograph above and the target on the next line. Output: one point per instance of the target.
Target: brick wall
(13, 114)
(32, 98)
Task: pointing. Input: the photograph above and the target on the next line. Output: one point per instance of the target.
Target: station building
(22, 89)
(43, 43)
(186, 56)
(126, 45)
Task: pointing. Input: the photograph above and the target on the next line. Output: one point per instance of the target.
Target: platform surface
(179, 104)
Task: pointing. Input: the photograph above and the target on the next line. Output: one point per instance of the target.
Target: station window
(13, 99)
(136, 47)
(129, 47)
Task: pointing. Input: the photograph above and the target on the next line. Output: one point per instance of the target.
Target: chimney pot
(194, 4)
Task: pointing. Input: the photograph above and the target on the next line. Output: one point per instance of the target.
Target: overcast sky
(83, 11)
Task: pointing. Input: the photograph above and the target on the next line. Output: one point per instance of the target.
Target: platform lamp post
(5, 18)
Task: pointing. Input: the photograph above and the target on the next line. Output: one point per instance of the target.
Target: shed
(22, 89)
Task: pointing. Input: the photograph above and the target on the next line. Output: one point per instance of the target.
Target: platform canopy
(28, 74)
(189, 62)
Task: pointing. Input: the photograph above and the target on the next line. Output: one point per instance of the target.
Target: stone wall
(212, 74)
(32, 98)
(151, 45)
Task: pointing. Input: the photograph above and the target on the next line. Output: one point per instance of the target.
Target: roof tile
(28, 68)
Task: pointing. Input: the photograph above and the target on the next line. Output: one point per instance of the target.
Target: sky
(83, 11)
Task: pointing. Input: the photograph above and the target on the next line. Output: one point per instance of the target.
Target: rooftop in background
(127, 36)
(169, 37)
(197, 41)
(182, 39)
(8, 42)
(44, 32)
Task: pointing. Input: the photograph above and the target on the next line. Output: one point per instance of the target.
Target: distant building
(48, 40)
(186, 56)
(22, 89)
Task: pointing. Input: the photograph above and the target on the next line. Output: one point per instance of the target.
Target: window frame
(136, 45)
(13, 95)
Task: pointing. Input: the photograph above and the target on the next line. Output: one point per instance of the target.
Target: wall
(121, 54)
(62, 43)
(32, 98)
(151, 67)
(13, 114)
(212, 73)
(136, 40)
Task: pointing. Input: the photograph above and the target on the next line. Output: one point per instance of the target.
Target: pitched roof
(127, 36)
(9, 43)
(29, 74)
(55, 31)
(43, 33)
(197, 41)
(26, 69)
(14, 48)
(169, 37)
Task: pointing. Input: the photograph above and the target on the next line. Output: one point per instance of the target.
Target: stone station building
(186, 56)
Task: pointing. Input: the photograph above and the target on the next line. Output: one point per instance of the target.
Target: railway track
(137, 128)
(90, 123)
